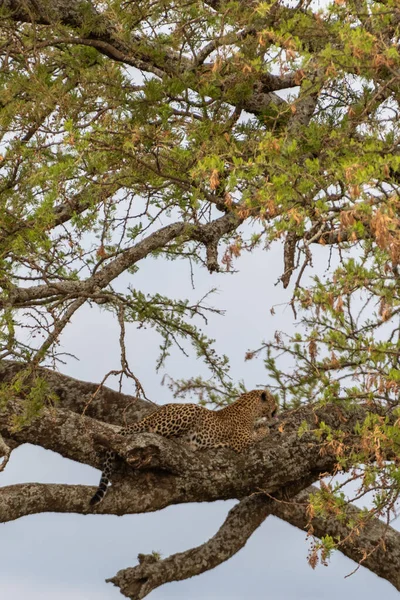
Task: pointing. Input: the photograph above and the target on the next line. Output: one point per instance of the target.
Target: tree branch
(377, 547)
(94, 400)
(167, 472)
(156, 240)
(101, 34)
(242, 520)
(179, 475)
(5, 452)
(381, 543)
(289, 251)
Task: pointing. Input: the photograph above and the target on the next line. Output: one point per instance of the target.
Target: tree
(133, 130)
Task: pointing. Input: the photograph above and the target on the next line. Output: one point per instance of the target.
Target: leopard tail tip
(96, 499)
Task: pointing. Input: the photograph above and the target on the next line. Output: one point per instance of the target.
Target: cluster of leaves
(35, 391)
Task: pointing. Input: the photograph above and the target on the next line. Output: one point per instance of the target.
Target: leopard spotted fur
(230, 427)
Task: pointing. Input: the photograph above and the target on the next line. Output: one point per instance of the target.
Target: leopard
(235, 426)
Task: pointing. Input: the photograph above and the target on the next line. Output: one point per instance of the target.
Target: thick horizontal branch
(179, 475)
(380, 542)
(167, 472)
(24, 499)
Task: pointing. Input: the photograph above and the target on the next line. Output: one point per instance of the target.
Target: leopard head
(268, 404)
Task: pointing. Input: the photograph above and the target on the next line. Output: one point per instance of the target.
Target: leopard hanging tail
(105, 478)
(109, 462)
(163, 422)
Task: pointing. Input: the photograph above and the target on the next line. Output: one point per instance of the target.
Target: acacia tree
(141, 129)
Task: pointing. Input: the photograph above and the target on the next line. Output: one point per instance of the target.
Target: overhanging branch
(101, 33)
(157, 240)
(377, 547)
(382, 543)
(243, 519)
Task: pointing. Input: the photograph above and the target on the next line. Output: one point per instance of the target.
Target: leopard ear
(264, 396)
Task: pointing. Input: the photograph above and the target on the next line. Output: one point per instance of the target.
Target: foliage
(118, 117)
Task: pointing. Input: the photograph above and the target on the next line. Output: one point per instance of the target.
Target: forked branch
(380, 542)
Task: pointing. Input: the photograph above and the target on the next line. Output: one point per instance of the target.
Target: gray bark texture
(137, 582)
(156, 472)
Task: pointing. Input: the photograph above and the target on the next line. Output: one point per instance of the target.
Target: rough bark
(182, 475)
(167, 472)
(242, 520)
(281, 458)
(379, 542)
(99, 402)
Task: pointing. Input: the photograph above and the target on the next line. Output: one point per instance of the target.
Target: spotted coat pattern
(230, 427)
